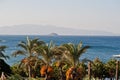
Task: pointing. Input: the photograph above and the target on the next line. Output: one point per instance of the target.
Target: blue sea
(103, 47)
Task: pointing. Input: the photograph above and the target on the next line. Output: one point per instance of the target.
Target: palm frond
(72, 52)
(28, 41)
(46, 56)
(2, 48)
(69, 47)
(42, 51)
(23, 42)
(72, 49)
(37, 42)
(80, 52)
(3, 56)
(60, 48)
(79, 46)
(69, 57)
(41, 61)
(51, 45)
(22, 45)
(58, 52)
(18, 52)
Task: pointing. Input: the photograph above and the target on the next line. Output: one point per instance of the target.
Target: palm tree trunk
(61, 73)
(29, 71)
(117, 70)
(46, 76)
(89, 70)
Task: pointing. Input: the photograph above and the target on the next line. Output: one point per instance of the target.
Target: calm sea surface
(103, 47)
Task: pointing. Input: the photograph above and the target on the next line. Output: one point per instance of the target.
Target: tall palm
(27, 49)
(72, 54)
(46, 54)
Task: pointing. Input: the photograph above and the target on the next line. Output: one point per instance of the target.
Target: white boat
(116, 56)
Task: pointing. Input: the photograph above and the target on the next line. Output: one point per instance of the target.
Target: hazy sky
(82, 14)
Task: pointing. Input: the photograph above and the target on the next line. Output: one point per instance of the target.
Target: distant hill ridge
(30, 29)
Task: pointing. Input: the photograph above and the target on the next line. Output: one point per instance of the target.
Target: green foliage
(46, 53)
(110, 67)
(59, 71)
(16, 70)
(38, 53)
(28, 47)
(98, 68)
(82, 69)
(30, 62)
(70, 56)
(15, 77)
(56, 72)
(73, 52)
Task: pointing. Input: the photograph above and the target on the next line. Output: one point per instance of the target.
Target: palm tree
(27, 49)
(72, 54)
(46, 54)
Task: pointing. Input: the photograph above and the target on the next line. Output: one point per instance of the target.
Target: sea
(102, 47)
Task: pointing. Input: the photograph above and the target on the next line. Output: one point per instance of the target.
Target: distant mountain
(30, 29)
(53, 34)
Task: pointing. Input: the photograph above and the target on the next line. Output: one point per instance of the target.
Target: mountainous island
(30, 29)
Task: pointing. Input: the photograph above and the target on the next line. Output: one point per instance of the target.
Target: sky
(101, 15)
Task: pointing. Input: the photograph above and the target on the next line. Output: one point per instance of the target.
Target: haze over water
(102, 15)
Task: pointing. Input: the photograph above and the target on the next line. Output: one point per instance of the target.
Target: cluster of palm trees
(52, 62)
(38, 53)
(100, 70)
